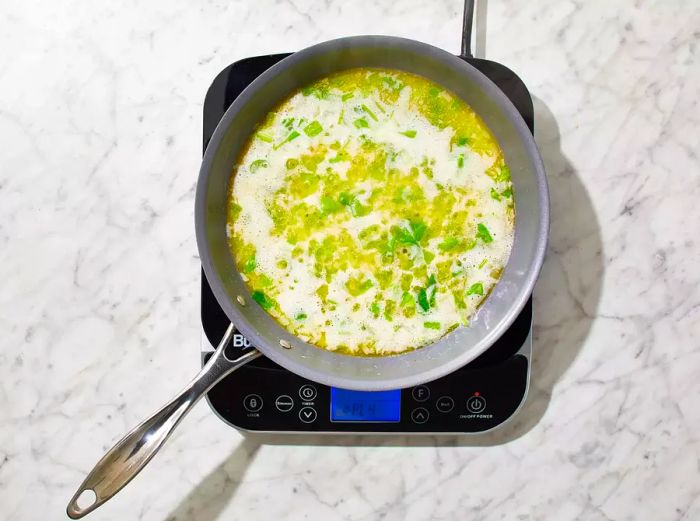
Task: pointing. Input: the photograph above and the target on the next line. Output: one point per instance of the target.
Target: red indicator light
(477, 393)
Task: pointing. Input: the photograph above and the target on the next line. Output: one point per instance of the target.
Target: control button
(421, 393)
(284, 403)
(445, 404)
(307, 392)
(476, 404)
(307, 414)
(420, 415)
(252, 403)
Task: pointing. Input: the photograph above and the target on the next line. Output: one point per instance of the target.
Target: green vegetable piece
(504, 174)
(418, 228)
(262, 299)
(300, 316)
(258, 163)
(368, 111)
(358, 209)
(329, 205)
(291, 137)
(313, 129)
(264, 137)
(432, 325)
(249, 264)
(347, 96)
(389, 308)
(507, 192)
(449, 244)
(407, 299)
(291, 163)
(428, 256)
(374, 308)
(482, 263)
(345, 198)
(361, 123)
(409, 133)
(357, 286)
(423, 300)
(460, 161)
(461, 141)
(495, 195)
(483, 233)
(476, 289)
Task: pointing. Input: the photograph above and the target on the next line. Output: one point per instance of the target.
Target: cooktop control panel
(265, 397)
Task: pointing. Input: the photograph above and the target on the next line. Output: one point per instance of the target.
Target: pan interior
(499, 309)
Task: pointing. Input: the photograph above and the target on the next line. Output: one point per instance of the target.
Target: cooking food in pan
(371, 212)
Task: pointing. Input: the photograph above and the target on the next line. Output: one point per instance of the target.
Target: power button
(476, 404)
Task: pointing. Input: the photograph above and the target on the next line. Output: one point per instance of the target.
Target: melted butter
(371, 212)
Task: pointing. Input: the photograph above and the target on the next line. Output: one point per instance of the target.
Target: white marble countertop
(100, 125)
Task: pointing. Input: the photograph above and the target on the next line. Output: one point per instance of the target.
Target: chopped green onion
(300, 316)
(461, 141)
(368, 111)
(258, 163)
(495, 195)
(450, 243)
(507, 192)
(483, 233)
(361, 123)
(329, 205)
(432, 325)
(340, 117)
(476, 289)
(291, 163)
(264, 137)
(409, 133)
(423, 301)
(357, 286)
(313, 129)
(460, 161)
(262, 299)
(504, 174)
(374, 308)
(482, 263)
(249, 264)
(347, 96)
(292, 136)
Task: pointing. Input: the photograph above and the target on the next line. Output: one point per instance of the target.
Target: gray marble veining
(100, 125)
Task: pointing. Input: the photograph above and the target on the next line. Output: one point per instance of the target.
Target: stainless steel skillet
(127, 458)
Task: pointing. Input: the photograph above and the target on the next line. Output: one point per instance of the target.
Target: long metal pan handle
(135, 450)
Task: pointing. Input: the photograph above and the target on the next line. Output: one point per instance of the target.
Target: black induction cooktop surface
(262, 396)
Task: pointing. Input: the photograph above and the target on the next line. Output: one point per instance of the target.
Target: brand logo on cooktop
(240, 341)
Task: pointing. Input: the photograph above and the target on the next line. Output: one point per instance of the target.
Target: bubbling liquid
(371, 212)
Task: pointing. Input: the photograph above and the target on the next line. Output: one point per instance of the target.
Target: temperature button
(420, 415)
(252, 403)
(307, 392)
(476, 404)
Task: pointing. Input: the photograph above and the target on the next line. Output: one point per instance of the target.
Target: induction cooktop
(264, 397)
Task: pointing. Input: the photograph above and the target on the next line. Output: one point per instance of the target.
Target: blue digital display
(365, 406)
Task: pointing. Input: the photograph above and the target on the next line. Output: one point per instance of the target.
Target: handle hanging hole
(86, 499)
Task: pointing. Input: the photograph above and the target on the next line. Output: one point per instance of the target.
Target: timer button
(420, 415)
(445, 404)
(421, 393)
(476, 404)
(307, 392)
(307, 414)
(252, 403)
(284, 403)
